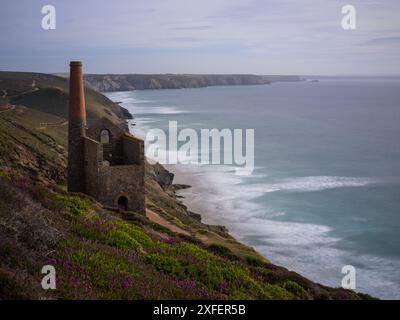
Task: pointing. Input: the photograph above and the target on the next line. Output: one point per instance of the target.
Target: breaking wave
(317, 183)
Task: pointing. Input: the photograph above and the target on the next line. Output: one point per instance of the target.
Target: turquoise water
(325, 191)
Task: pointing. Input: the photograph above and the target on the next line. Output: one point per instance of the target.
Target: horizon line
(253, 74)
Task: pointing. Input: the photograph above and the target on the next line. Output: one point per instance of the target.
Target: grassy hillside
(49, 93)
(101, 254)
(32, 143)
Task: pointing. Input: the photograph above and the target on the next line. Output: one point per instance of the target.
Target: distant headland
(128, 82)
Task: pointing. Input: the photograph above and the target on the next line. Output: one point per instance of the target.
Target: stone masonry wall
(76, 168)
(117, 181)
(133, 150)
(93, 159)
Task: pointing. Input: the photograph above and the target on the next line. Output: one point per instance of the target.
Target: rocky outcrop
(161, 175)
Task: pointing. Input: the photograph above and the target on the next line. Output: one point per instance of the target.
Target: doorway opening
(123, 203)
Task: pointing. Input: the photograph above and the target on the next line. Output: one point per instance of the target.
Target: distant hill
(49, 93)
(128, 82)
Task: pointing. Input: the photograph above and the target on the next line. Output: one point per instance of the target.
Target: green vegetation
(49, 94)
(101, 256)
(74, 204)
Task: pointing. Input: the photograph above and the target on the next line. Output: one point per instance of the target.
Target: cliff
(128, 82)
(102, 254)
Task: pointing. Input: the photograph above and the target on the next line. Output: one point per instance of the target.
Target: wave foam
(317, 183)
(157, 110)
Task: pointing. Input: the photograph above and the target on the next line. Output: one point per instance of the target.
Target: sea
(325, 190)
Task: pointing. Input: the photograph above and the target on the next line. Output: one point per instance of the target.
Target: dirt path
(43, 126)
(12, 107)
(165, 223)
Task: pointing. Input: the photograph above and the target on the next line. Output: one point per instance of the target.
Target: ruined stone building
(104, 161)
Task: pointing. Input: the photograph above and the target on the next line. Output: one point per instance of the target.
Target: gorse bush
(74, 204)
(295, 289)
(115, 233)
(166, 264)
(135, 232)
(221, 250)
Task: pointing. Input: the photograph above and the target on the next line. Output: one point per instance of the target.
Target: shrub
(107, 233)
(366, 296)
(221, 250)
(165, 263)
(134, 232)
(295, 289)
(75, 205)
(122, 240)
(255, 262)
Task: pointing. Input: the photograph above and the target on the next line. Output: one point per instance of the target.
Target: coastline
(222, 198)
(193, 196)
(182, 177)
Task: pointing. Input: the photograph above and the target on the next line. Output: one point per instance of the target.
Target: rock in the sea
(178, 186)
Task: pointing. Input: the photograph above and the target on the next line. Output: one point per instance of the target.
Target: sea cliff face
(128, 82)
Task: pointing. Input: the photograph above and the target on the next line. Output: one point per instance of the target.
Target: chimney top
(76, 93)
(75, 63)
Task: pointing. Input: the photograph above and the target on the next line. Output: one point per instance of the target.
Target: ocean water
(325, 191)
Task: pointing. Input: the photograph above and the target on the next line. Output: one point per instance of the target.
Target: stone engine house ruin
(104, 161)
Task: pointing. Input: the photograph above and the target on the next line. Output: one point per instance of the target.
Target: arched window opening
(104, 136)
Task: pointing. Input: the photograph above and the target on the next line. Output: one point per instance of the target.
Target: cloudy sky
(203, 36)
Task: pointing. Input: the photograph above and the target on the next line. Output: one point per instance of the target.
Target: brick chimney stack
(76, 129)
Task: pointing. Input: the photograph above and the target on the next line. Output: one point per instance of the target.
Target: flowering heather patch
(72, 279)
(153, 271)
(114, 274)
(222, 286)
(168, 240)
(191, 284)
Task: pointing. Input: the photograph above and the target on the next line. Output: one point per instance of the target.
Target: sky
(302, 37)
